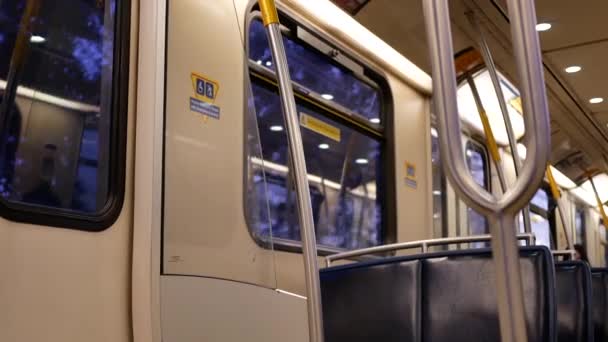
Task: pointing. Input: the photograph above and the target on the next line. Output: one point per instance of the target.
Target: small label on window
(205, 92)
(320, 127)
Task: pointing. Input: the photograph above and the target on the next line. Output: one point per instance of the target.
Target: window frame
(382, 133)
(98, 221)
(580, 208)
(483, 150)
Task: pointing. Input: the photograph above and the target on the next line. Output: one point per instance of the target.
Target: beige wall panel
(202, 309)
(412, 144)
(205, 232)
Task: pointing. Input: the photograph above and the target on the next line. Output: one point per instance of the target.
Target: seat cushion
(573, 299)
(599, 284)
(459, 302)
(372, 302)
(444, 296)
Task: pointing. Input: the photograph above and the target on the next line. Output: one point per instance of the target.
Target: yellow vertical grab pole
(600, 205)
(557, 195)
(270, 18)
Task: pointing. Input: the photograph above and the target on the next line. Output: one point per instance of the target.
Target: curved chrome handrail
(501, 210)
(422, 244)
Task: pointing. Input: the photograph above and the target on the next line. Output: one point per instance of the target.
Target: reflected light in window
(361, 161)
(269, 63)
(437, 193)
(259, 62)
(323, 146)
(276, 128)
(328, 97)
(37, 39)
(375, 120)
(434, 132)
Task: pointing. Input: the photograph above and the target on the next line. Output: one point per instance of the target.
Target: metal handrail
(270, 18)
(422, 244)
(486, 54)
(566, 252)
(501, 211)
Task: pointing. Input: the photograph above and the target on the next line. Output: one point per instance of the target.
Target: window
(477, 161)
(439, 186)
(541, 219)
(580, 226)
(342, 126)
(61, 135)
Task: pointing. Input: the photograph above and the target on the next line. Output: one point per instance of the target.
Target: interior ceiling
(578, 37)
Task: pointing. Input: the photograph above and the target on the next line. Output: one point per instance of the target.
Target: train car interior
(303, 170)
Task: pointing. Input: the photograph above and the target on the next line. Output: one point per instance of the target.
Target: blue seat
(573, 296)
(436, 297)
(599, 283)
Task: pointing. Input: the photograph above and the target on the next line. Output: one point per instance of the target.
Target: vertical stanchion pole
(487, 129)
(298, 165)
(486, 54)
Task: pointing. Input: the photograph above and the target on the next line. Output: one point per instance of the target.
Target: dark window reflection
(317, 72)
(344, 179)
(55, 82)
(580, 226)
(477, 162)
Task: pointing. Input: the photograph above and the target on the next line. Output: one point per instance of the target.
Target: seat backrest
(460, 300)
(599, 284)
(444, 296)
(573, 297)
(372, 302)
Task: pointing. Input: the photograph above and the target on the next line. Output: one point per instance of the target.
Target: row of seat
(451, 296)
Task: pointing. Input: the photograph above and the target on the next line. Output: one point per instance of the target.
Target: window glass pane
(319, 73)
(55, 89)
(343, 172)
(541, 229)
(438, 186)
(541, 199)
(478, 166)
(579, 225)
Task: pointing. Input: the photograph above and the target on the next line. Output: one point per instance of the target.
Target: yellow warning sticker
(410, 175)
(205, 92)
(516, 104)
(205, 89)
(320, 127)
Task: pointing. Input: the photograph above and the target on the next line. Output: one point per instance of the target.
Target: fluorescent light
(37, 39)
(469, 114)
(596, 100)
(375, 120)
(434, 132)
(276, 128)
(37, 95)
(543, 27)
(572, 69)
(437, 193)
(358, 191)
(328, 97)
(361, 161)
(332, 19)
(562, 180)
(269, 63)
(323, 146)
